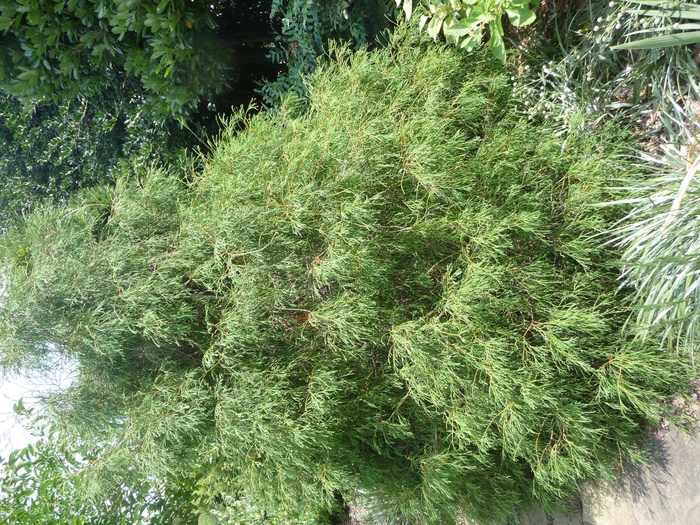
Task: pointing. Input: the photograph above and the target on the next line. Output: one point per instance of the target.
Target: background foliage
(55, 51)
(398, 292)
(305, 29)
(55, 150)
(42, 484)
(467, 24)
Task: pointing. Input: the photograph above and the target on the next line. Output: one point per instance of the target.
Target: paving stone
(666, 493)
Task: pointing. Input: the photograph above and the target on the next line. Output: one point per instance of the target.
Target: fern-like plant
(305, 29)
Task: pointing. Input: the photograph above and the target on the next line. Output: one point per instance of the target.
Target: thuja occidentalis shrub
(399, 294)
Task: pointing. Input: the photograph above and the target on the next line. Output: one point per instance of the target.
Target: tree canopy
(39, 486)
(55, 51)
(397, 292)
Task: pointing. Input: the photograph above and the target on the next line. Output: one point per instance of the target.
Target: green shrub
(55, 51)
(400, 293)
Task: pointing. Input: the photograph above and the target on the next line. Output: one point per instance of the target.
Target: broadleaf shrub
(55, 51)
(398, 294)
(465, 24)
(55, 150)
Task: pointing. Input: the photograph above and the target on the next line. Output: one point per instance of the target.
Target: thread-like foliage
(399, 292)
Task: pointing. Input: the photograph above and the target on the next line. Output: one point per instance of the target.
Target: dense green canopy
(399, 292)
(49, 154)
(55, 51)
